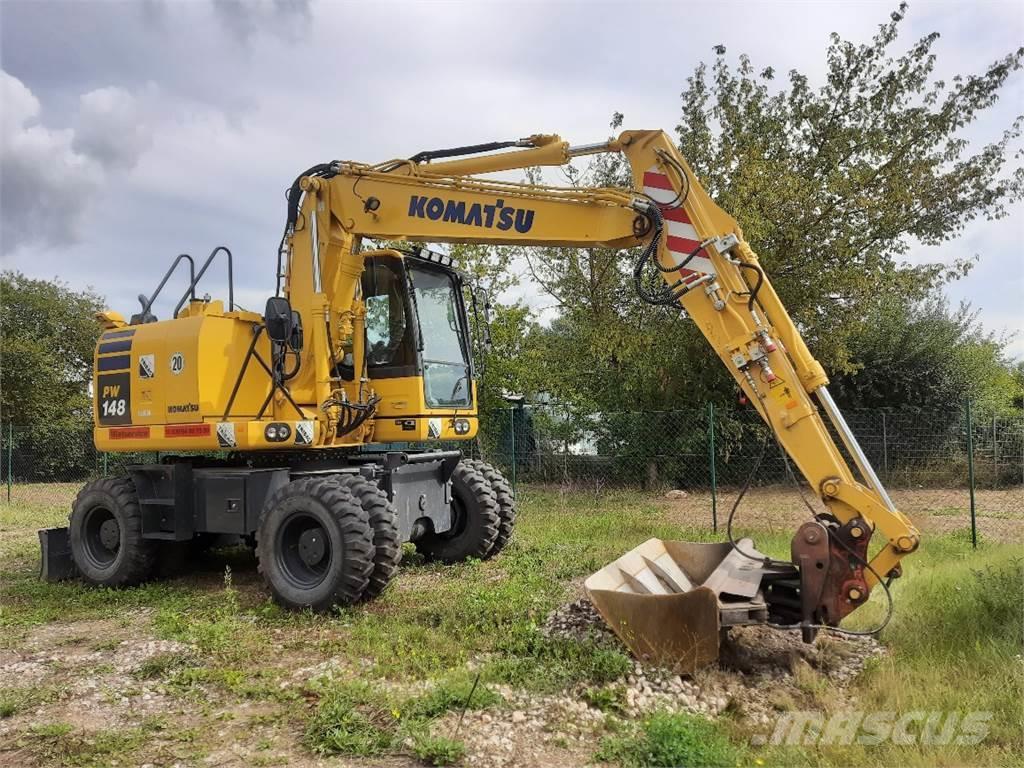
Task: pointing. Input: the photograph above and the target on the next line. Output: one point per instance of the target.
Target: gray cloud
(48, 176)
(201, 113)
(243, 18)
(112, 127)
(44, 181)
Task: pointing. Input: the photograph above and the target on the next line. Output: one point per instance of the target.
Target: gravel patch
(758, 669)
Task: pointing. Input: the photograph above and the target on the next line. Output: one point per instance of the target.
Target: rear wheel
(314, 545)
(105, 530)
(475, 520)
(383, 520)
(506, 503)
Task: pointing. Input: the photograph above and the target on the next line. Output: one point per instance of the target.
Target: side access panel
(231, 500)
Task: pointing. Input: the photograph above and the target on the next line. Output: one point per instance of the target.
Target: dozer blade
(669, 600)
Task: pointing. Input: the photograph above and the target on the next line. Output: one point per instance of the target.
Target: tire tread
(139, 553)
(357, 540)
(383, 520)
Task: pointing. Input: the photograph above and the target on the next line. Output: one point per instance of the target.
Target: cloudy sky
(133, 131)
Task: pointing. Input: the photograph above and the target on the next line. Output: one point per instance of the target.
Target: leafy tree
(927, 355)
(832, 184)
(47, 336)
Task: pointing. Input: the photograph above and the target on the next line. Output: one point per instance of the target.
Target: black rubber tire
(383, 518)
(105, 510)
(475, 520)
(506, 503)
(314, 513)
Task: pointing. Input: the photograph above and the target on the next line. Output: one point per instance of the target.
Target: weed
(438, 750)
(60, 744)
(450, 694)
(15, 700)
(159, 665)
(8, 704)
(354, 720)
(670, 739)
(532, 660)
(611, 699)
(51, 730)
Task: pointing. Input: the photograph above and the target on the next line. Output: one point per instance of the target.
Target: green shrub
(531, 660)
(351, 720)
(611, 699)
(451, 694)
(665, 739)
(438, 750)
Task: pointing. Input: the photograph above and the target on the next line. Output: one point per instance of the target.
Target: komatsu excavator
(291, 428)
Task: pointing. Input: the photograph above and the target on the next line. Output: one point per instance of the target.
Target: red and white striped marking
(681, 237)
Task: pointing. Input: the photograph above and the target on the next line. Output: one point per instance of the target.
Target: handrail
(148, 303)
(191, 291)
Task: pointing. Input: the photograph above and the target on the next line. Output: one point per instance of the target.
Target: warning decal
(433, 428)
(226, 434)
(304, 433)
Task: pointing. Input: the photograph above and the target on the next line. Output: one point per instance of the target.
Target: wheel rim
(101, 537)
(303, 551)
(459, 518)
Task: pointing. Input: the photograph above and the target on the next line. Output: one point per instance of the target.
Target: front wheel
(475, 520)
(314, 545)
(105, 530)
(506, 499)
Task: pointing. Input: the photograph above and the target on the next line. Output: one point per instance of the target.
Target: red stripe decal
(187, 430)
(657, 180)
(676, 214)
(681, 245)
(129, 433)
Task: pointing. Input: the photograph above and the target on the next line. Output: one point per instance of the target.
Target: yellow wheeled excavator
(288, 427)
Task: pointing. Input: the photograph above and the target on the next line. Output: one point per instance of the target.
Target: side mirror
(483, 300)
(278, 319)
(295, 341)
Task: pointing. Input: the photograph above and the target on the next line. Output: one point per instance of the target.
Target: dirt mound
(760, 668)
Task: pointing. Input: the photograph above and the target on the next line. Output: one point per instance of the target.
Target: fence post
(512, 413)
(970, 472)
(10, 458)
(104, 463)
(995, 451)
(885, 448)
(711, 466)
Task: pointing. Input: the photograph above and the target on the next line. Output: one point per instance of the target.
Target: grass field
(202, 669)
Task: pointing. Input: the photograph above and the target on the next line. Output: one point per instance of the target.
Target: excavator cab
(417, 341)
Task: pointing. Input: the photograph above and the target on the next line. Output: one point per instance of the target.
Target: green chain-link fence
(951, 470)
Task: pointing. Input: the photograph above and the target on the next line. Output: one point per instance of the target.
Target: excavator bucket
(668, 601)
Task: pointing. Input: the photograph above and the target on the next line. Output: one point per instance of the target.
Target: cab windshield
(446, 373)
